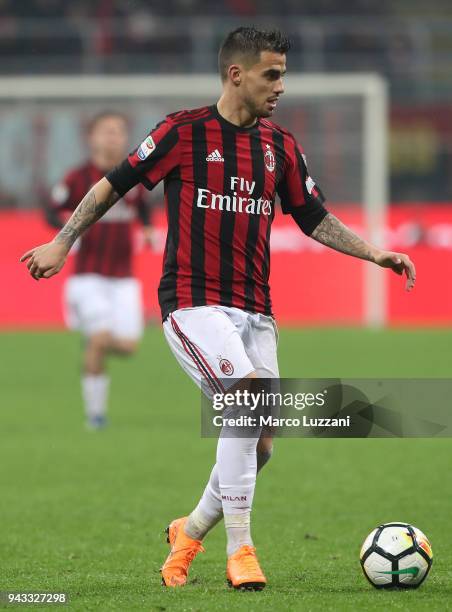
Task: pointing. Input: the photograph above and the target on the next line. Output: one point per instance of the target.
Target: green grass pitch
(84, 512)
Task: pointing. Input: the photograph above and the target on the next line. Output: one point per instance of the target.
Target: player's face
(262, 84)
(109, 137)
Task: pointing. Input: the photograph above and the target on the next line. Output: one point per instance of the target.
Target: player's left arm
(302, 198)
(333, 233)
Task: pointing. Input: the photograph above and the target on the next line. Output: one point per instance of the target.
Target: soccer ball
(396, 555)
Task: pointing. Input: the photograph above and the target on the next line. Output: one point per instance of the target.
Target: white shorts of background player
(96, 303)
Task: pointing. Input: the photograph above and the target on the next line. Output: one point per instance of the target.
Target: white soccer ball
(396, 555)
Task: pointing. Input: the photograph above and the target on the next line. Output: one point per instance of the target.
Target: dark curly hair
(249, 42)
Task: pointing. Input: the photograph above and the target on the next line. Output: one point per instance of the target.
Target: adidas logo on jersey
(215, 156)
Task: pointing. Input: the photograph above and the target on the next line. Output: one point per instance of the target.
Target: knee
(94, 353)
(98, 343)
(126, 347)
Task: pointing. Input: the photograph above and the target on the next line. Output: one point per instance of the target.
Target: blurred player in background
(223, 165)
(102, 299)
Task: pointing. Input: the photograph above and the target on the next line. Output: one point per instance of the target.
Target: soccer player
(102, 299)
(223, 166)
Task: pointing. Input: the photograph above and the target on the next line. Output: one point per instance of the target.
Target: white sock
(238, 531)
(209, 510)
(237, 467)
(95, 394)
(198, 524)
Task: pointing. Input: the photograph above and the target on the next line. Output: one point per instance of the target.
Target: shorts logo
(226, 367)
(269, 159)
(146, 148)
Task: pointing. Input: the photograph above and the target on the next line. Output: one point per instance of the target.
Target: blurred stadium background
(84, 514)
(408, 44)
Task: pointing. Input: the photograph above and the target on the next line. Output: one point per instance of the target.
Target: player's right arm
(46, 260)
(154, 159)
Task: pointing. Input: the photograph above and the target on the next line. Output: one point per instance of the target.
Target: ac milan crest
(226, 367)
(269, 159)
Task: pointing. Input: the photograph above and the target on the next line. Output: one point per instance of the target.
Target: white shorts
(218, 344)
(95, 303)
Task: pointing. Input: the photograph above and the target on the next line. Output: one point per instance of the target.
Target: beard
(256, 110)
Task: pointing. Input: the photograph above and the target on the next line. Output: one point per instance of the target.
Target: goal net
(340, 120)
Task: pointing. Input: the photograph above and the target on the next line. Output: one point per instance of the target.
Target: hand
(46, 260)
(399, 263)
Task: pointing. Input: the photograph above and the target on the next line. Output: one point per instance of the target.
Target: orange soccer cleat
(243, 570)
(183, 550)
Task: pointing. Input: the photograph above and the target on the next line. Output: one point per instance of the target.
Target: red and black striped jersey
(220, 183)
(106, 247)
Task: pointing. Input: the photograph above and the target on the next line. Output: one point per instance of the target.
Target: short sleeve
(296, 187)
(300, 195)
(150, 162)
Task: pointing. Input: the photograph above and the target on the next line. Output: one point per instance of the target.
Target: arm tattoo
(332, 233)
(86, 213)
